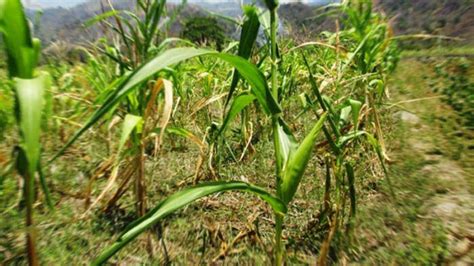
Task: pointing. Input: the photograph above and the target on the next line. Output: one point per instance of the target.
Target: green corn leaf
(29, 93)
(182, 132)
(285, 145)
(265, 21)
(352, 56)
(355, 108)
(378, 85)
(346, 138)
(22, 52)
(298, 161)
(248, 36)
(256, 79)
(100, 18)
(173, 56)
(178, 131)
(325, 104)
(237, 106)
(35, 52)
(249, 31)
(178, 201)
(229, 19)
(305, 101)
(345, 112)
(129, 124)
(156, 12)
(168, 41)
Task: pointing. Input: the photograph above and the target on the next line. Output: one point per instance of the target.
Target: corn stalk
(29, 87)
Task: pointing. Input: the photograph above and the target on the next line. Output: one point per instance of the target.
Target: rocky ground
(448, 163)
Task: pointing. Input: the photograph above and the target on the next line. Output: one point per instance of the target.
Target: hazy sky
(70, 3)
(52, 3)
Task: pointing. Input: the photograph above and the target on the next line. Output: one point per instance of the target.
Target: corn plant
(291, 156)
(140, 79)
(363, 73)
(29, 89)
(136, 37)
(375, 52)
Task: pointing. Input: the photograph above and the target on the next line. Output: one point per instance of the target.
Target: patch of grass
(401, 231)
(440, 51)
(397, 231)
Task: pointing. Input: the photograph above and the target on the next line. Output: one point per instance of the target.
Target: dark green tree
(204, 31)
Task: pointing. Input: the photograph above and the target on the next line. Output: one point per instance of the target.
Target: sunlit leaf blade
(229, 19)
(264, 18)
(350, 136)
(100, 18)
(178, 201)
(22, 52)
(182, 132)
(168, 41)
(345, 113)
(285, 145)
(129, 124)
(257, 81)
(355, 108)
(173, 56)
(237, 106)
(29, 93)
(248, 36)
(298, 162)
(324, 105)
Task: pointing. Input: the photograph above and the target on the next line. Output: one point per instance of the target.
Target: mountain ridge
(453, 18)
(72, 3)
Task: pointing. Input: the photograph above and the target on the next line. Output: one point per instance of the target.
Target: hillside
(453, 18)
(443, 17)
(66, 24)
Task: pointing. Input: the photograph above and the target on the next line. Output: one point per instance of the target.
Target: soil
(454, 205)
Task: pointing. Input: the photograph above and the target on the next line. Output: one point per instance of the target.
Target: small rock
(462, 247)
(446, 208)
(80, 177)
(408, 117)
(420, 145)
(462, 263)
